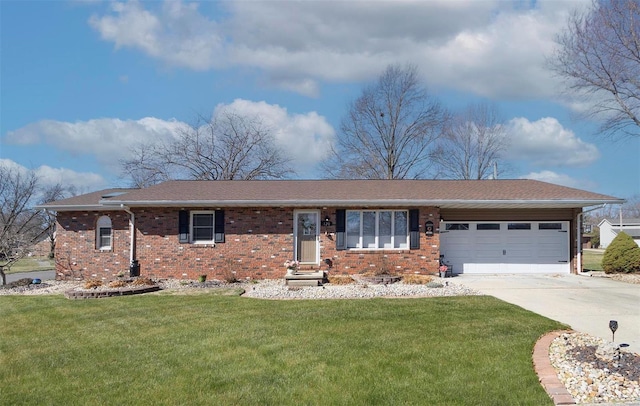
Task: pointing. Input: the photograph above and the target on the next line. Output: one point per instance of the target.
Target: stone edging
(95, 294)
(547, 375)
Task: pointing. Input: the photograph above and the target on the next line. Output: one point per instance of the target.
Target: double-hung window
(202, 227)
(103, 233)
(377, 229)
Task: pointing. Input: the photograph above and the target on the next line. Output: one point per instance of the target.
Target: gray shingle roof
(89, 201)
(299, 193)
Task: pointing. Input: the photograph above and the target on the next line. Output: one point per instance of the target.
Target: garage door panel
(509, 248)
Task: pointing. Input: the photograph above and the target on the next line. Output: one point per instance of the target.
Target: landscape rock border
(96, 294)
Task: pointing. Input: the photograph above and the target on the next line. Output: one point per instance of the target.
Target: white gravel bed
(270, 289)
(590, 379)
(276, 289)
(45, 288)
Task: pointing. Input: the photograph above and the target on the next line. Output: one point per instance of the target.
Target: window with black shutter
(414, 229)
(183, 226)
(341, 241)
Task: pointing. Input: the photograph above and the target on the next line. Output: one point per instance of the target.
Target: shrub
(341, 280)
(622, 255)
(143, 282)
(117, 284)
(413, 279)
(434, 285)
(92, 283)
(229, 276)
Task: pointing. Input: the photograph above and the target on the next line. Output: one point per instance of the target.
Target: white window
(202, 227)
(104, 233)
(377, 229)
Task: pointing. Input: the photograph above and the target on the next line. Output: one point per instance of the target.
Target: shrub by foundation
(622, 255)
(413, 279)
(92, 283)
(341, 280)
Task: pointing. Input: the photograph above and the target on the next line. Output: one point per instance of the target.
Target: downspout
(132, 232)
(579, 236)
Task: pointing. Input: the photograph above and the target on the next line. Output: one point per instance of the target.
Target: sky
(83, 82)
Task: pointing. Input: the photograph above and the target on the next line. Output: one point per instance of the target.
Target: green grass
(32, 265)
(206, 349)
(592, 260)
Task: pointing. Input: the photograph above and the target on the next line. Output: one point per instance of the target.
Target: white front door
(306, 228)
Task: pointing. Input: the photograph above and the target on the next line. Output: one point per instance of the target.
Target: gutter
(132, 232)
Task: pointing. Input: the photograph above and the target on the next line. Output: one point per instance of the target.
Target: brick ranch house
(183, 229)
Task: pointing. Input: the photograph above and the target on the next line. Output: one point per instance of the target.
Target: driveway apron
(587, 304)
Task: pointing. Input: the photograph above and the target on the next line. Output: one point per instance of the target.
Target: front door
(306, 237)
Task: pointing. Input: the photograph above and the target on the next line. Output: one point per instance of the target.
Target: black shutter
(414, 229)
(183, 226)
(341, 241)
(219, 226)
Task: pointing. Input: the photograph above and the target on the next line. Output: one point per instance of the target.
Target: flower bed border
(97, 294)
(381, 279)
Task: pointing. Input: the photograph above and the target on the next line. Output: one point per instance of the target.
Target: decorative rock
(608, 352)
(590, 378)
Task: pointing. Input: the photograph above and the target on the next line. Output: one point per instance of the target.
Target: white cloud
(546, 142)
(83, 182)
(560, 179)
(177, 34)
(493, 48)
(307, 138)
(108, 139)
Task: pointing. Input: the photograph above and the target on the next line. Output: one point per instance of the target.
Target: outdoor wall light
(327, 222)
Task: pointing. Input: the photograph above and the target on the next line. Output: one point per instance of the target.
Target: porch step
(305, 279)
(299, 282)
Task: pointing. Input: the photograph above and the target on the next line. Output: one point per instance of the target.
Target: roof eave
(76, 207)
(449, 204)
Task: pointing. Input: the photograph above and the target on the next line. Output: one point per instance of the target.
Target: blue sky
(82, 82)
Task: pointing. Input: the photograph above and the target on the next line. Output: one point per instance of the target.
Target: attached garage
(506, 246)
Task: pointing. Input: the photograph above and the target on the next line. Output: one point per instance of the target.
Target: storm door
(306, 237)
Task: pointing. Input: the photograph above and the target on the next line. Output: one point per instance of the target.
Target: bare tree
(389, 130)
(20, 224)
(228, 147)
(599, 57)
(47, 218)
(472, 144)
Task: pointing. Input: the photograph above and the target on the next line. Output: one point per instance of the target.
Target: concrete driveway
(585, 303)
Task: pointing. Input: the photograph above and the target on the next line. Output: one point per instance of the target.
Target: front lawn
(592, 260)
(206, 349)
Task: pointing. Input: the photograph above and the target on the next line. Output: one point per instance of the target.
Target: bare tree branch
(228, 147)
(389, 130)
(599, 57)
(472, 144)
(20, 225)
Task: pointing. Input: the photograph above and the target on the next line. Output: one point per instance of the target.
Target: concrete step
(305, 279)
(308, 282)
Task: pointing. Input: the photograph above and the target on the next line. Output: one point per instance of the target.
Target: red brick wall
(76, 255)
(257, 243)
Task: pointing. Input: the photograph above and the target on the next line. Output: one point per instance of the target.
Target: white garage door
(506, 247)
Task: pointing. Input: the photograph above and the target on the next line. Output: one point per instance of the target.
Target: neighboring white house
(609, 229)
